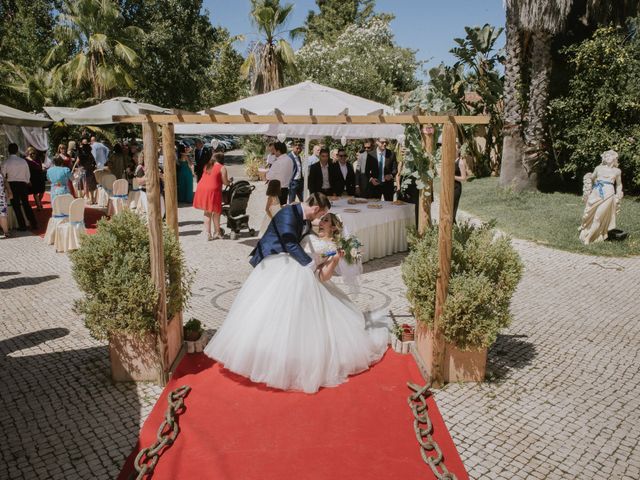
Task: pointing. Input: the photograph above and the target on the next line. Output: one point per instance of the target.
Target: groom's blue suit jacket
(283, 236)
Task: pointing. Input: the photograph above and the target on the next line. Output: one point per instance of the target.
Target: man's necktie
(381, 167)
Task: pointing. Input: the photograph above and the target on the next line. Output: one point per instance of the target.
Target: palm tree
(530, 28)
(38, 88)
(272, 56)
(94, 32)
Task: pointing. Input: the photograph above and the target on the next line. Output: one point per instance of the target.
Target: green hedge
(485, 271)
(113, 270)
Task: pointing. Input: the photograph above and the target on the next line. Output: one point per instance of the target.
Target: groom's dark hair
(319, 199)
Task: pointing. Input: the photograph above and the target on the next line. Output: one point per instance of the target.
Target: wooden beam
(249, 118)
(154, 213)
(170, 176)
(445, 231)
(427, 133)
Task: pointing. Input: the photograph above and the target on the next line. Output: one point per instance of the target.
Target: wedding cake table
(380, 226)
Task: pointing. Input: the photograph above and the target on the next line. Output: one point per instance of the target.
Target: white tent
(301, 99)
(102, 113)
(13, 116)
(24, 129)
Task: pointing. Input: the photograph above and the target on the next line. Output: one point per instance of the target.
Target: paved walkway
(563, 401)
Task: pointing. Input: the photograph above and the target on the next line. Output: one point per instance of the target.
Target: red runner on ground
(235, 429)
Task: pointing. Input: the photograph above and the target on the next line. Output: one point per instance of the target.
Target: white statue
(602, 194)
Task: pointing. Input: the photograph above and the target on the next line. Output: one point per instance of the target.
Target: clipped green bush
(113, 270)
(485, 271)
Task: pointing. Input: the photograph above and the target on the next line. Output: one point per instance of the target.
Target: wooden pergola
(170, 335)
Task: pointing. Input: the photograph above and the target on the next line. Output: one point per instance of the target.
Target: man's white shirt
(281, 169)
(16, 169)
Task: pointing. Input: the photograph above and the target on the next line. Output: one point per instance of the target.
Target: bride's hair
(336, 225)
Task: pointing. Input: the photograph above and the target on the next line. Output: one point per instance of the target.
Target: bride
(292, 328)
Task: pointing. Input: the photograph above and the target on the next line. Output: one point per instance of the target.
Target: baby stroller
(235, 199)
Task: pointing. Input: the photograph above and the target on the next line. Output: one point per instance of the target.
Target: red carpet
(235, 429)
(91, 216)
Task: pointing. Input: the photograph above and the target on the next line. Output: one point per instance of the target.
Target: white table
(382, 231)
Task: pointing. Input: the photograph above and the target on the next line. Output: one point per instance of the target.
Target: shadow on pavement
(24, 281)
(508, 353)
(65, 411)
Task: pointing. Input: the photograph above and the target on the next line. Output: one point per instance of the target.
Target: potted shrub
(113, 270)
(485, 271)
(402, 337)
(193, 336)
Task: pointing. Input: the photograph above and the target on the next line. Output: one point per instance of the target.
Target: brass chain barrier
(147, 458)
(429, 448)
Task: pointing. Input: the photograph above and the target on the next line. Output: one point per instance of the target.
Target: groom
(288, 227)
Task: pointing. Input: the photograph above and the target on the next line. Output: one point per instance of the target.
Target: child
(273, 204)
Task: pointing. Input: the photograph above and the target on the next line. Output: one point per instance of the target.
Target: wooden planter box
(136, 359)
(459, 365)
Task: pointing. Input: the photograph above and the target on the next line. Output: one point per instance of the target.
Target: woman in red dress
(208, 195)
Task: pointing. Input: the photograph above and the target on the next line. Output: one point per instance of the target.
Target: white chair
(141, 205)
(134, 193)
(102, 198)
(119, 199)
(69, 233)
(59, 215)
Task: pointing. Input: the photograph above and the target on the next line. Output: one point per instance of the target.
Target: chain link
(147, 458)
(429, 448)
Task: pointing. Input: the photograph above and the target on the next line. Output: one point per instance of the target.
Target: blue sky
(428, 26)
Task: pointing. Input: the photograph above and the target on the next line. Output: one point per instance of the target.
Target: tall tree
(334, 16)
(103, 48)
(226, 83)
(271, 57)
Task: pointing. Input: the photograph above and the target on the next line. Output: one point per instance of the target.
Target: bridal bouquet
(351, 246)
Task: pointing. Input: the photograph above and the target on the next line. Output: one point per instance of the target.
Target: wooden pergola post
(427, 133)
(154, 214)
(170, 176)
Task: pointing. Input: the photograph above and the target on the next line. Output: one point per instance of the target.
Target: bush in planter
(113, 269)
(192, 330)
(485, 272)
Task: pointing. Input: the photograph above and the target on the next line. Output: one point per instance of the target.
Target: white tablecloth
(382, 231)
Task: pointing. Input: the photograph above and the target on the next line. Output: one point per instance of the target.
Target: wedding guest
(319, 175)
(15, 171)
(72, 150)
(271, 153)
(134, 152)
(359, 167)
(460, 176)
(333, 156)
(342, 176)
(5, 196)
(117, 161)
(184, 175)
(296, 186)
(208, 195)
(88, 167)
(67, 161)
(273, 205)
(59, 176)
(315, 156)
(282, 170)
(381, 172)
(99, 151)
(202, 156)
(38, 176)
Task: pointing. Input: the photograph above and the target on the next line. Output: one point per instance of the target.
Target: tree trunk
(512, 171)
(535, 153)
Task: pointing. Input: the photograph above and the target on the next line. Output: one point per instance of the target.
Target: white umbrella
(300, 99)
(102, 113)
(13, 116)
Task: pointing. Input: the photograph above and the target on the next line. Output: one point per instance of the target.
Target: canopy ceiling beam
(251, 118)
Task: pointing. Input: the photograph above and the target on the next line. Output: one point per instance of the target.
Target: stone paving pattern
(562, 402)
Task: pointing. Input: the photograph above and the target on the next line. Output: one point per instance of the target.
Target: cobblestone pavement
(563, 400)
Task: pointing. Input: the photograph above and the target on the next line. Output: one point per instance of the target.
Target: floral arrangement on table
(351, 245)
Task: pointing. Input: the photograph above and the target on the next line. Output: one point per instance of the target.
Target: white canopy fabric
(301, 99)
(13, 116)
(102, 113)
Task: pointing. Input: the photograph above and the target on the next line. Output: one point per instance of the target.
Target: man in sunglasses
(343, 178)
(380, 172)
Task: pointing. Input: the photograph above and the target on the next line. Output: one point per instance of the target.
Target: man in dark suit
(202, 155)
(381, 171)
(320, 176)
(342, 176)
(362, 183)
(296, 186)
(288, 227)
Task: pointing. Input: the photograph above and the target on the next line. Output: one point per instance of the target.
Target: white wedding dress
(291, 331)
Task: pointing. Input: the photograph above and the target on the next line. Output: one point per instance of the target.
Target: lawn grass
(550, 219)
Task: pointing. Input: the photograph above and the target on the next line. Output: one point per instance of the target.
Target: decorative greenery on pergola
(171, 335)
